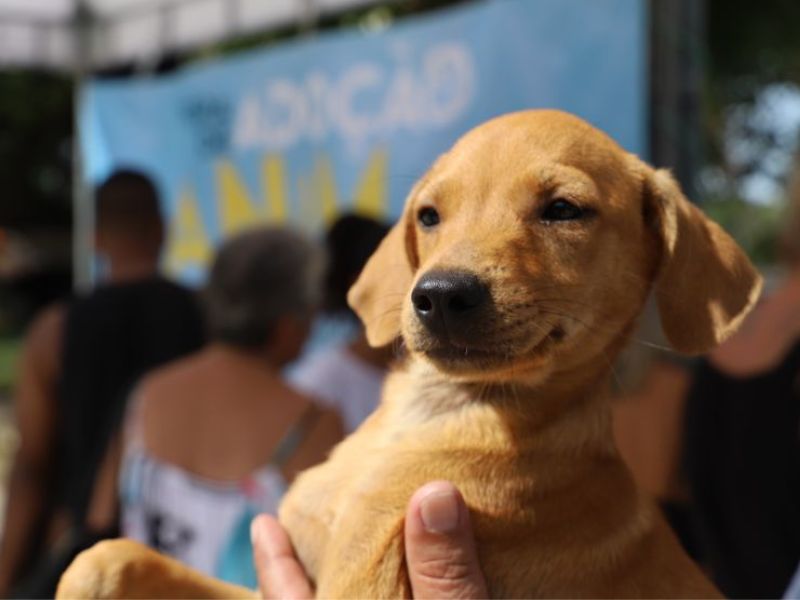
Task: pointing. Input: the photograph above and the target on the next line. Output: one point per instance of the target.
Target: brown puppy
(515, 276)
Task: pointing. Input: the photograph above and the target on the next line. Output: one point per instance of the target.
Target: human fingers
(440, 545)
(280, 574)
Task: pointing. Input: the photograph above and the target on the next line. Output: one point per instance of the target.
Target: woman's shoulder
(159, 400)
(165, 380)
(765, 338)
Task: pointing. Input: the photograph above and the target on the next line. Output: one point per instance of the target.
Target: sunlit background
(297, 110)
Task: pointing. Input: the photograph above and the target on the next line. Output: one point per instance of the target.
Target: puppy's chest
(468, 447)
(525, 498)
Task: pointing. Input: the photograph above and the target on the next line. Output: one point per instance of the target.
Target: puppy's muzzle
(448, 302)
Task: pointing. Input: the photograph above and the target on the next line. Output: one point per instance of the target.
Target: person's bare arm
(322, 436)
(35, 407)
(767, 334)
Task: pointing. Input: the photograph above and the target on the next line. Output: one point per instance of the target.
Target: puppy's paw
(128, 569)
(106, 570)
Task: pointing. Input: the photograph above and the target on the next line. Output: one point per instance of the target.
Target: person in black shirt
(742, 446)
(62, 493)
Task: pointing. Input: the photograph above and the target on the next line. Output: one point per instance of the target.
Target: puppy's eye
(562, 210)
(428, 217)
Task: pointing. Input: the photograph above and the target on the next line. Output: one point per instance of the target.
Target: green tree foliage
(753, 58)
(35, 149)
(751, 45)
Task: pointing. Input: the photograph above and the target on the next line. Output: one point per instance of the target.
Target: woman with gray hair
(213, 439)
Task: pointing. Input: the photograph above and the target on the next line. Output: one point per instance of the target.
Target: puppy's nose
(446, 299)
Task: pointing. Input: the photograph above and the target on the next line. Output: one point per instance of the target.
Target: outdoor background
(722, 109)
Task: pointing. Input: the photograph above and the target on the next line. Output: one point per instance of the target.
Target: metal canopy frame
(79, 36)
(50, 33)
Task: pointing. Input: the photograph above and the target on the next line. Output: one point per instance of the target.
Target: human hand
(440, 550)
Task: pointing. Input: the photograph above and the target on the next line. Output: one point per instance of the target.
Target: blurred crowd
(171, 416)
(152, 411)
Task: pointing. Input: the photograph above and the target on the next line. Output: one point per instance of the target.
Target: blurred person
(215, 438)
(78, 367)
(793, 591)
(16, 255)
(348, 375)
(742, 446)
(30, 478)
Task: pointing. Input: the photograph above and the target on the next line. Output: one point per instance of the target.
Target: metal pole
(82, 201)
(233, 16)
(676, 82)
(309, 17)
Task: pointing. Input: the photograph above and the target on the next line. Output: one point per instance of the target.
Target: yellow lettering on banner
(274, 181)
(309, 211)
(188, 239)
(236, 209)
(317, 201)
(325, 184)
(318, 195)
(371, 197)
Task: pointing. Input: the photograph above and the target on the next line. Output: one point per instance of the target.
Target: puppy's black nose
(446, 299)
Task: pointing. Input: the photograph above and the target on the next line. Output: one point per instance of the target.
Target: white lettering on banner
(452, 91)
(354, 124)
(434, 95)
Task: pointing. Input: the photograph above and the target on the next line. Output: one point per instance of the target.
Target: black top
(743, 466)
(112, 337)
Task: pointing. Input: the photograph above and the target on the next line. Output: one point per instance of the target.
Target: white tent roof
(46, 32)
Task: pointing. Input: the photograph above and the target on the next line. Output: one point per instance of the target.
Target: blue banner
(348, 120)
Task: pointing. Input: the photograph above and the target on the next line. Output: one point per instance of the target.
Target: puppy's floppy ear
(705, 284)
(378, 293)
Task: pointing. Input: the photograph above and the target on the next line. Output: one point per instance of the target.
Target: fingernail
(439, 512)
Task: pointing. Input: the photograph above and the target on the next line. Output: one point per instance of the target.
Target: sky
(777, 112)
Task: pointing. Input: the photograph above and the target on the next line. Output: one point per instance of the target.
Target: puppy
(516, 274)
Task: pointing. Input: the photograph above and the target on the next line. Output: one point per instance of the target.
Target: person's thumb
(440, 546)
(280, 574)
